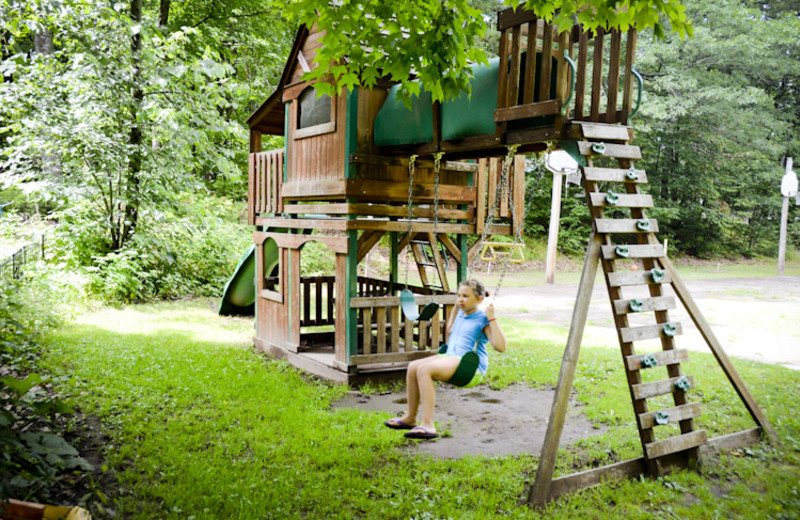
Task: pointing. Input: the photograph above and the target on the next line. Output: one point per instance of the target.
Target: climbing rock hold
(643, 225)
(635, 305)
(631, 175)
(622, 251)
(669, 329)
(649, 361)
(599, 148)
(612, 198)
(656, 275)
(661, 417)
(683, 383)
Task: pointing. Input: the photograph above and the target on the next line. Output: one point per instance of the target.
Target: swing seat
(492, 251)
(466, 370)
(410, 309)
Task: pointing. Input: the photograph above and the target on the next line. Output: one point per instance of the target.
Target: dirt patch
(483, 421)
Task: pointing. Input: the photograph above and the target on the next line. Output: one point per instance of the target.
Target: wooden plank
(367, 329)
(480, 200)
(658, 303)
(422, 335)
(731, 441)
(513, 73)
(618, 151)
(292, 241)
(627, 89)
(580, 81)
(441, 267)
(655, 388)
(530, 63)
(380, 321)
(634, 251)
(373, 224)
(540, 491)
(450, 246)
(675, 413)
(394, 329)
(366, 242)
(683, 442)
(20, 510)
(380, 210)
(251, 189)
(538, 109)
(664, 357)
(547, 64)
(513, 16)
(613, 76)
(518, 183)
(624, 225)
(631, 334)
(389, 357)
(435, 332)
(597, 75)
(716, 348)
(408, 335)
(502, 75)
(384, 160)
(340, 347)
(593, 477)
(318, 302)
(622, 279)
(491, 196)
(398, 192)
(604, 131)
(306, 300)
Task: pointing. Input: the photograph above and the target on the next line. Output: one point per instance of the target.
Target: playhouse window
(315, 115)
(272, 269)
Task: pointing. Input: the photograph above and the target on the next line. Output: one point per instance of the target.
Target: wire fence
(12, 267)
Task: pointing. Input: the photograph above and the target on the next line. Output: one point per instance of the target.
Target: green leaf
(21, 386)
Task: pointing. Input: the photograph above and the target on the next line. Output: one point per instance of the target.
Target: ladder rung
(625, 278)
(605, 131)
(624, 200)
(683, 442)
(613, 175)
(631, 334)
(619, 151)
(633, 251)
(625, 225)
(658, 303)
(427, 264)
(676, 414)
(665, 357)
(655, 388)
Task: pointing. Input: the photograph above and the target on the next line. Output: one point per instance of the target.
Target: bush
(31, 417)
(190, 250)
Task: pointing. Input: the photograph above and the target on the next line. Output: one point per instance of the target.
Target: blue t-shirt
(467, 329)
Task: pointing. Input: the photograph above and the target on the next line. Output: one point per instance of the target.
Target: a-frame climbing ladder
(610, 192)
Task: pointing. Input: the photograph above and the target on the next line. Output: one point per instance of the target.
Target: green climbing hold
(649, 361)
(631, 175)
(669, 329)
(657, 275)
(599, 148)
(682, 383)
(612, 198)
(622, 251)
(661, 417)
(643, 224)
(635, 305)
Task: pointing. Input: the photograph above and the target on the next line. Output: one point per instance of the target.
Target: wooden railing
(529, 86)
(386, 337)
(317, 297)
(265, 177)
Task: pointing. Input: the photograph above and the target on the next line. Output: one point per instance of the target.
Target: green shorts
(476, 379)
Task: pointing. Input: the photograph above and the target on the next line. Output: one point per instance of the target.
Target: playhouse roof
(269, 117)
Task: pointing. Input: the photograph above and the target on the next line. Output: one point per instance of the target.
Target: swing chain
(411, 161)
(437, 159)
(512, 149)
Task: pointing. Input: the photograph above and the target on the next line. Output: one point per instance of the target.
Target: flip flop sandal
(397, 424)
(419, 432)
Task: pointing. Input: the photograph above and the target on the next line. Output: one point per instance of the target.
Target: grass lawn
(199, 426)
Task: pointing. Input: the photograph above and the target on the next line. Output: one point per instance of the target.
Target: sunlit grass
(202, 426)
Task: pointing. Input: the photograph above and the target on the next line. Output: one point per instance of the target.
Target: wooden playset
(358, 166)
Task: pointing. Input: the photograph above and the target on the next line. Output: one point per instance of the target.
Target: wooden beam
(540, 491)
(367, 242)
(683, 442)
(451, 246)
(665, 357)
(618, 151)
(719, 353)
(632, 334)
(441, 267)
(654, 388)
(538, 109)
(385, 160)
(634, 251)
(624, 225)
(660, 303)
(675, 414)
(381, 210)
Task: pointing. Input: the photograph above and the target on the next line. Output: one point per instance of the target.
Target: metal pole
(784, 221)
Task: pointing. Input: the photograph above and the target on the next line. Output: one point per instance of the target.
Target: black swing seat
(466, 369)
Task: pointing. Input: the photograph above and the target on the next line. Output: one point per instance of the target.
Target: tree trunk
(163, 13)
(132, 199)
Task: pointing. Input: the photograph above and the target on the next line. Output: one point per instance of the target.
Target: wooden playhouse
(346, 178)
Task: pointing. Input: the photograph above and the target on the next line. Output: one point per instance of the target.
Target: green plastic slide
(239, 295)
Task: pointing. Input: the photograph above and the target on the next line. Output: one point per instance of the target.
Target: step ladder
(618, 209)
(426, 252)
(622, 233)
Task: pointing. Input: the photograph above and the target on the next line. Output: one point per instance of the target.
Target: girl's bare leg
(439, 369)
(412, 389)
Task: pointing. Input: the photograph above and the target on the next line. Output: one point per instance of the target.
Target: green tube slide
(239, 295)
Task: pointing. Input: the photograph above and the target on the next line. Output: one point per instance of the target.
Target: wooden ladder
(611, 246)
(621, 189)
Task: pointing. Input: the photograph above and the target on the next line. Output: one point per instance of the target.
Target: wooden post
(552, 236)
(784, 220)
(540, 491)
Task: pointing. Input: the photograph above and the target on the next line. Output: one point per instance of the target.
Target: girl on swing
(469, 329)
